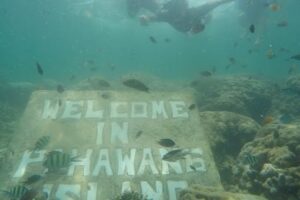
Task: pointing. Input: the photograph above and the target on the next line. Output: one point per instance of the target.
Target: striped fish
(41, 143)
(250, 160)
(30, 195)
(56, 160)
(15, 192)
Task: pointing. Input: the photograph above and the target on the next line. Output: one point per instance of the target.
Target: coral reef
(254, 159)
(228, 132)
(240, 94)
(277, 171)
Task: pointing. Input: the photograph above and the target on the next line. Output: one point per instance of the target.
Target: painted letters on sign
(116, 159)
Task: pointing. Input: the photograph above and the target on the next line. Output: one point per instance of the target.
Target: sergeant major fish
(41, 143)
(56, 160)
(138, 134)
(166, 142)
(177, 154)
(34, 194)
(32, 179)
(15, 192)
(192, 106)
(136, 84)
(251, 160)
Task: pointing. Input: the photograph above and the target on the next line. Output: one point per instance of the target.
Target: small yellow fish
(274, 7)
(267, 120)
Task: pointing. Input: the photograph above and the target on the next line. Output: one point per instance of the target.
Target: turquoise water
(62, 35)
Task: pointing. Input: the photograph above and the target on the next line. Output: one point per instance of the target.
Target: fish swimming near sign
(60, 88)
(130, 195)
(193, 168)
(192, 106)
(32, 179)
(56, 160)
(174, 155)
(105, 95)
(41, 143)
(136, 84)
(138, 134)
(166, 142)
(34, 194)
(39, 68)
(15, 192)
(296, 57)
(252, 28)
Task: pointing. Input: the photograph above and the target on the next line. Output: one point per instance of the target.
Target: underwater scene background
(64, 35)
(243, 69)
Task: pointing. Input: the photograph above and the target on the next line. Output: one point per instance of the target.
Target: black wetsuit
(175, 12)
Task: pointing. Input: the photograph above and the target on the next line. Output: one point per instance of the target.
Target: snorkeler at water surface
(177, 13)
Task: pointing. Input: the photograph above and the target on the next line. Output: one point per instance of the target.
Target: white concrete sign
(116, 142)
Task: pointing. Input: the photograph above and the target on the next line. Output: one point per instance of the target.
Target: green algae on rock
(243, 95)
(278, 175)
